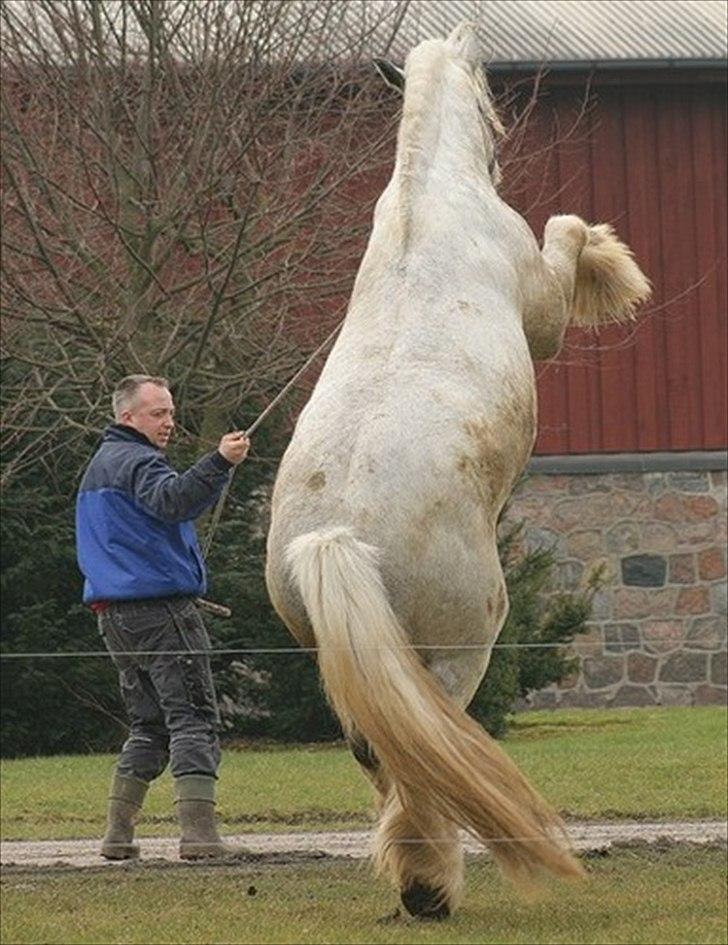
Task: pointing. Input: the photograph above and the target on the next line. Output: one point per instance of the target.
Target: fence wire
(287, 650)
(305, 857)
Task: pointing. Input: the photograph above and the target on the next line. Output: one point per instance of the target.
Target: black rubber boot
(196, 813)
(125, 801)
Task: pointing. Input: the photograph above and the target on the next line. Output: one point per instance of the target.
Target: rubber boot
(125, 801)
(196, 813)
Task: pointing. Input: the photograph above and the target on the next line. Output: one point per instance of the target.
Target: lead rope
(215, 520)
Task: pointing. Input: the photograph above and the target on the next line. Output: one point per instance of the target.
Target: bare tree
(183, 187)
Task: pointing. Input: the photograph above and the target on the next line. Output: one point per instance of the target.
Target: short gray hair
(126, 389)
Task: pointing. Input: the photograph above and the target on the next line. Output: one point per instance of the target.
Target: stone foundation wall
(658, 630)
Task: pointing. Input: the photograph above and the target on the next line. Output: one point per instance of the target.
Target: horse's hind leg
(417, 845)
(421, 851)
(425, 862)
(365, 755)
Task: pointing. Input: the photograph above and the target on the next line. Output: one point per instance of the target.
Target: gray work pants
(169, 696)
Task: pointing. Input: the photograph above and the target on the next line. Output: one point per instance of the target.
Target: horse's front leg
(585, 276)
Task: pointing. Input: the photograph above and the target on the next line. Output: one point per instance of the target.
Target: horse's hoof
(424, 902)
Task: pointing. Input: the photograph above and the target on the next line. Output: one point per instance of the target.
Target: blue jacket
(135, 536)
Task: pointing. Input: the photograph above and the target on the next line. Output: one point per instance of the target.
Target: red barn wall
(650, 159)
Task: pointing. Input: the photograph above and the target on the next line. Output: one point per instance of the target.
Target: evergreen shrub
(60, 705)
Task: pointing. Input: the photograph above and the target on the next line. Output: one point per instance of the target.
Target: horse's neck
(435, 146)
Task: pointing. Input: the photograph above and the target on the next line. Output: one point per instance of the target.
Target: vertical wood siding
(650, 160)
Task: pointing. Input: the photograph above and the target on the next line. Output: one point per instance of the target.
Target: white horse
(382, 547)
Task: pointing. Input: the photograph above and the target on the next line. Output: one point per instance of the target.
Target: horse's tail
(435, 754)
(609, 283)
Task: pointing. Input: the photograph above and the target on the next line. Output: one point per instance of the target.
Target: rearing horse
(382, 547)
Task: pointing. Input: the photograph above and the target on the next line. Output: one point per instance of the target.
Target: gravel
(592, 836)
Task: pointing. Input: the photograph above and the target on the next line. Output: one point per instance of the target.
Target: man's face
(151, 412)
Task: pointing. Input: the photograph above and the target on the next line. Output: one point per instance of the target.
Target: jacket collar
(119, 432)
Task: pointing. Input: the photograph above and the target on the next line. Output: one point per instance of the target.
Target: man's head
(145, 403)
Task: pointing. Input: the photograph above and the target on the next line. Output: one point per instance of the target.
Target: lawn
(632, 896)
(662, 763)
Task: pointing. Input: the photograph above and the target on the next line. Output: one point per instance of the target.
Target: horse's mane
(413, 143)
(488, 111)
(417, 138)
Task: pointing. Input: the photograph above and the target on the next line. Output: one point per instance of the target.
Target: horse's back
(423, 416)
(414, 436)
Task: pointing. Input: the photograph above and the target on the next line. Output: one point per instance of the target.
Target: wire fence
(300, 824)
(305, 858)
(304, 881)
(288, 650)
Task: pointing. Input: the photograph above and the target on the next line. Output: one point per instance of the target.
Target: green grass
(627, 763)
(590, 763)
(632, 896)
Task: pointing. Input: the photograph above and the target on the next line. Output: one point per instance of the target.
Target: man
(138, 551)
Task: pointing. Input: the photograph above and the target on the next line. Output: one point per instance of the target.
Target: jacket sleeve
(179, 497)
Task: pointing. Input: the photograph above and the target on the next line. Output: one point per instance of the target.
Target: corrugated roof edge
(586, 65)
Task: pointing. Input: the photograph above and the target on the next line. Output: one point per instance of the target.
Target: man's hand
(234, 447)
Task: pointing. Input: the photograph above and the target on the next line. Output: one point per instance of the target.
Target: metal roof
(577, 32)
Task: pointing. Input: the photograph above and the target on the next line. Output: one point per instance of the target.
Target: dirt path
(586, 836)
